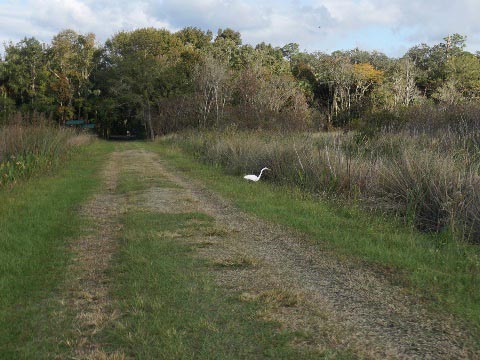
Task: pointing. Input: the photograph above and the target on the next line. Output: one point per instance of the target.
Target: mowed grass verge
(37, 219)
(443, 273)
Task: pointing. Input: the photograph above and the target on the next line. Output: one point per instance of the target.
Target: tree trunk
(148, 121)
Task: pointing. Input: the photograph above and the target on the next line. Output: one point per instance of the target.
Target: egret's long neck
(259, 176)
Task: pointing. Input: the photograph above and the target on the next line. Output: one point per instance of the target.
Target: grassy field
(169, 303)
(37, 218)
(427, 179)
(443, 272)
(28, 150)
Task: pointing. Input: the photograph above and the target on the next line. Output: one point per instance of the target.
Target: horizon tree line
(153, 81)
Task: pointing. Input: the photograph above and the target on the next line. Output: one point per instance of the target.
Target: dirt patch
(164, 200)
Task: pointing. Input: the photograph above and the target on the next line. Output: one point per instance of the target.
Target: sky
(389, 26)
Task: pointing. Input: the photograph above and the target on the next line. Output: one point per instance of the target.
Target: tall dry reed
(25, 149)
(429, 180)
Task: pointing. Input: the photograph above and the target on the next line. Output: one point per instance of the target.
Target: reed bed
(25, 149)
(428, 179)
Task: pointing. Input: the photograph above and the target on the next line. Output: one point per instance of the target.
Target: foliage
(71, 66)
(28, 149)
(153, 81)
(37, 220)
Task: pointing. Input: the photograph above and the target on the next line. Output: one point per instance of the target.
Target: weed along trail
(171, 270)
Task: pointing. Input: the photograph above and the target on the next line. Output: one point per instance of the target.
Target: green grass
(172, 308)
(444, 272)
(169, 303)
(134, 181)
(37, 217)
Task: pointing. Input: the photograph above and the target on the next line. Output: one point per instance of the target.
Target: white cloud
(45, 18)
(315, 24)
(214, 14)
(52, 14)
(302, 24)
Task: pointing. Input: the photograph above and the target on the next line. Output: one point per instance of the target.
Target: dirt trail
(340, 305)
(87, 287)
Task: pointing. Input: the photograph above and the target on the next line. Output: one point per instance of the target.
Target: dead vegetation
(237, 262)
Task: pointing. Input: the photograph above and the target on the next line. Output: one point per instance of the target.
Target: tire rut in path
(340, 303)
(87, 286)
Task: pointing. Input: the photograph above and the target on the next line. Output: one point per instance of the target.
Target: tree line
(153, 81)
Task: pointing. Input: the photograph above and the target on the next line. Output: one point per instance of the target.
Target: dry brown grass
(81, 139)
(41, 139)
(431, 180)
(236, 262)
(87, 287)
(281, 297)
(101, 355)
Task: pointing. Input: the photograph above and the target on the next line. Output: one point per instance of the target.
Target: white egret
(255, 177)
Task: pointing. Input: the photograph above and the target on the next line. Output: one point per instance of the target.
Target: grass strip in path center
(169, 303)
(172, 308)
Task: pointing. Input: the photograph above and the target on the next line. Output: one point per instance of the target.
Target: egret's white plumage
(255, 177)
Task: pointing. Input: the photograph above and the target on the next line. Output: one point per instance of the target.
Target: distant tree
(195, 37)
(71, 63)
(463, 71)
(25, 73)
(7, 105)
(139, 70)
(453, 45)
(340, 76)
(448, 93)
(244, 94)
(229, 34)
(212, 83)
(430, 62)
(398, 87)
(290, 51)
(403, 82)
(377, 59)
(271, 58)
(365, 78)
